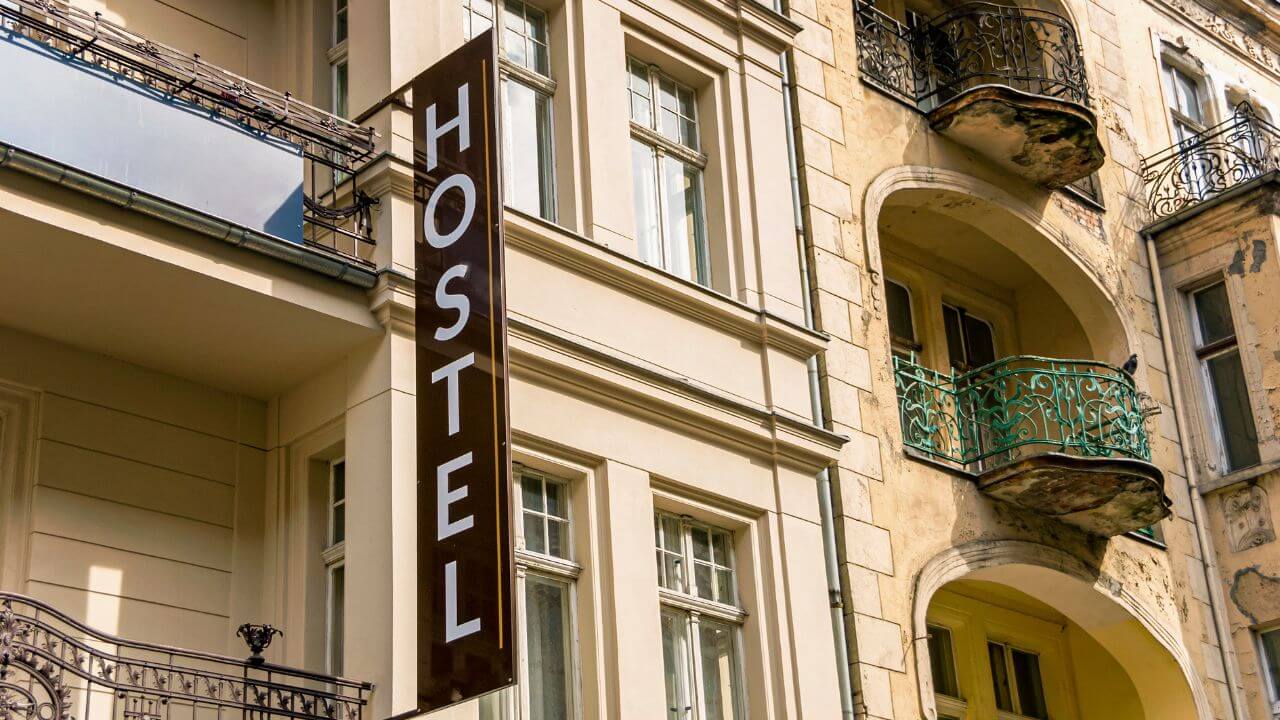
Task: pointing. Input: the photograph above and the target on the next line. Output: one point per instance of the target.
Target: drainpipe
(1198, 511)
(825, 504)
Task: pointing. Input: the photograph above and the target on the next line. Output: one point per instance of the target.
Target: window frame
(544, 85)
(690, 609)
(689, 155)
(902, 346)
(545, 568)
(334, 558)
(1204, 352)
(962, 312)
(1272, 683)
(1015, 698)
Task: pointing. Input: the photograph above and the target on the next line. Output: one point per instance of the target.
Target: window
(970, 339)
(666, 172)
(528, 167)
(334, 557)
(942, 666)
(338, 58)
(1269, 647)
(1015, 678)
(1187, 113)
(1219, 355)
(545, 577)
(700, 620)
(902, 326)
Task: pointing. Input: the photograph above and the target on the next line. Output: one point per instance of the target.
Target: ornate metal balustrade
(972, 45)
(334, 149)
(54, 668)
(1019, 406)
(1208, 164)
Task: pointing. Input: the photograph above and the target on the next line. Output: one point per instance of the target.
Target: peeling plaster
(1256, 595)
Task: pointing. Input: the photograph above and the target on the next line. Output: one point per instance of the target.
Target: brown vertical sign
(465, 572)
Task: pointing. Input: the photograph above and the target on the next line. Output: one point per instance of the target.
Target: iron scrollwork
(1205, 165)
(997, 413)
(974, 44)
(55, 668)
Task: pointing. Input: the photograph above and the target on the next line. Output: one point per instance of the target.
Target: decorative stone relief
(1248, 518)
(1224, 30)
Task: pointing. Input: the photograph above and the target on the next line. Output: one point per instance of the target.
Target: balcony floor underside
(1105, 496)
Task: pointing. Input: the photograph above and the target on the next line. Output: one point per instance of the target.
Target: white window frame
(1202, 354)
(545, 85)
(1014, 698)
(1273, 689)
(688, 154)
(334, 557)
(691, 609)
(562, 570)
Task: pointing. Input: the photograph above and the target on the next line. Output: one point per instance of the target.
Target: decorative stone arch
(965, 560)
(1100, 301)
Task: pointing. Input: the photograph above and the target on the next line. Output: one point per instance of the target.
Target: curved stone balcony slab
(1104, 496)
(1047, 140)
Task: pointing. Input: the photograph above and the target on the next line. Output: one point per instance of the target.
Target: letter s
(452, 301)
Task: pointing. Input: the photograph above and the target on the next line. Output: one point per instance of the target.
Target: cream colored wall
(143, 497)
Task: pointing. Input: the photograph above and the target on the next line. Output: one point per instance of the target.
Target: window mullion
(697, 697)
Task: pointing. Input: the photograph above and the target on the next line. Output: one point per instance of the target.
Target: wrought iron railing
(55, 668)
(972, 45)
(1019, 406)
(334, 149)
(1207, 164)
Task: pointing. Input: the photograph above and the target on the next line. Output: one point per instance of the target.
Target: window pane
(645, 190)
(640, 92)
(555, 500)
(478, 17)
(337, 609)
(675, 665)
(535, 533)
(339, 21)
(979, 342)
(942, 662)
(702, 579)
(558, 538)
(898, 301)
(547, 647)
(719, 671)
(955, 337)
(1213, 313)
(1026, 672)
(1271, 651)
(339, 531)
(531, 493)
(340, 89)
(670, 125)
(685, 224)
(339, 481)
(724, 586)
(669, 571)
(527, 155)
(1235, 416)
(1000, 677)
(701, 544)
(671, 533)
(720, 548)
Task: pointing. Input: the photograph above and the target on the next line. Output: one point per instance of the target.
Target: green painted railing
(1019, 406)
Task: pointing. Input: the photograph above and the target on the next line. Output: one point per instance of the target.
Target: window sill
(709, 608)
(701, 303)
(1218, 482)
(547, 564)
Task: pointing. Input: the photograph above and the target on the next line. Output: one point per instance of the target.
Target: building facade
(876, 360)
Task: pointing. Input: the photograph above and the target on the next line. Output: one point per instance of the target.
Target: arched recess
(1037, 241)
(1166, 681)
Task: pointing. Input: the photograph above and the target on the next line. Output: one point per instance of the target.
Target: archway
(1106, 627)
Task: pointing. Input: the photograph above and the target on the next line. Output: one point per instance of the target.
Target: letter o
(468, 188)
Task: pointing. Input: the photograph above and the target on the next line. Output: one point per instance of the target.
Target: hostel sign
(465, 575)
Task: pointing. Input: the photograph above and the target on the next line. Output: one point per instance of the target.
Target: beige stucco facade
(175, 401)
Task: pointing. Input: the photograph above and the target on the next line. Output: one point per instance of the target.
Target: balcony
(97, 108)
(1225, 160)
(55, 668)
(1006, 81)
(1064, 438)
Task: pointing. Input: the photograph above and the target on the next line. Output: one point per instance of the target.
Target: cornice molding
(1228, 33)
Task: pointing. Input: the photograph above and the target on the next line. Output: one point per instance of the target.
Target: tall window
(666, 171)
(942, 664)
(335, 564)
(1219, 355)
(338, 58)
(545, 576)
(701, 620)
(1015, 677)
(902, 325)
(970, 339)
(1187, 112)
(527, 88)
(1269, 647)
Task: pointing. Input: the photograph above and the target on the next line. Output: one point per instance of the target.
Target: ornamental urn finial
(258, 638)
